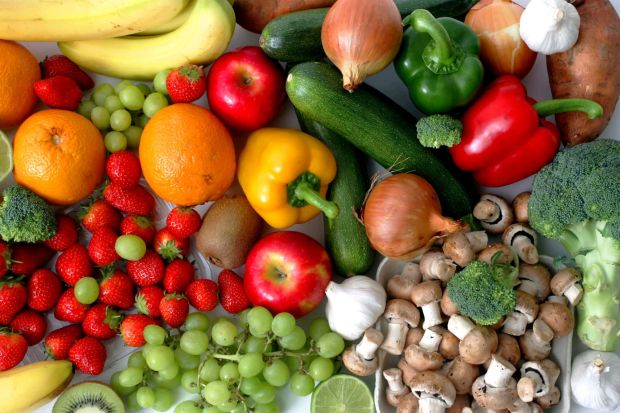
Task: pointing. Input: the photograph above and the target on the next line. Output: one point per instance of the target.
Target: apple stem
(304, 191)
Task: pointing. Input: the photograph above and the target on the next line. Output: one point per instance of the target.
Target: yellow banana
(44, 20)
(23, 389)
(203, 37)
(172, 24)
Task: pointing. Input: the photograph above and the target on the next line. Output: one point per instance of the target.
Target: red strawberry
(232, 294)
(13, 348)
(186, 83)
(135, 200)
(178, 275)
(169, 246)
(147, 300)
(27, 258)
(202, 294)
(66, 234)
(132, 329)
(174, 309)
(148, 270)
(138, 225)
(88, 355)
(61, 65)
(100, 214)
(31, 325)
(101, 248)
(116, 289)
(58, 342)
(44, 289)
(183, 222)
(123, 168)
(101, 322)
(73, 264)
(5, 258)
(69, 308)
(13, 298)
(58, 92)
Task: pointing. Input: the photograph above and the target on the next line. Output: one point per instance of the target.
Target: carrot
(253, 15)
(589, 70)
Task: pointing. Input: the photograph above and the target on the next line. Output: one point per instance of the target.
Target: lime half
(6, 156)
(342, 394)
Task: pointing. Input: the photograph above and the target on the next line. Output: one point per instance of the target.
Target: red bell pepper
(505, 136)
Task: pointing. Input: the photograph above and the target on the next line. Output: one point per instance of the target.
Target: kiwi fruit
(91, 397)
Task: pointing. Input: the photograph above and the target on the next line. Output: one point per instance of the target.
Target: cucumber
(296, 37)
(345, 236)
(377, 126)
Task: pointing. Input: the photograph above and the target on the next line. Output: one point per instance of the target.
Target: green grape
(321, 369)
(170, 384)
(195, 342)
(251, 364)
(295, 340)
(229, 372)
(216, 392)
(85, 107)
(211, 409)
(154, 334)
(132, 97)
(228, 406)
(120, 120)
(121, 390)
(163, 399)
(130, 247)
(159, 82)
(188, 406)
(136, 359)
(159, 358)
(265, 393)
(254, 345)
(100, 117)
(196, 321)
(259, 320)
(131, 376)
(122, 85)
(210, 370)
(145, 397)
(267, 408)
(283, 324)
(249, 385)
(330, 345)
(243, 317)
(154, 103)
(186, 361)
(144, 88)
(318, 327)
(147, 348)
(101, 92)
(141, 120)
(170, 372)
(113, 103)
(115, 141)
(189, 381)
(240, 408)
(132, 134)
(224, 332)
(132, 401)
(301, 384)
(276, 373)
(293, 363)
(86, 290)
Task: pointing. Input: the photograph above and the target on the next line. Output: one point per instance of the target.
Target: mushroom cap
(400, 287)
(482, 210)
(461, 401)
(435, 385)
(527, 305)
(507, 348)
(447, 305)
(449, 346)
(404, 310)
(546, 371)
(462, 375)
(551, 399)
(516, 230)
(408, 372)
(426, 293)
(356, 364)
(557, 316)
(564, 279)
(530, 342)
(489, 252)
(407, 404)
(478, 345)
(494, 398)
(457, 247)
(539, 275)
(423, 360)
(519, 205)
(414, 335)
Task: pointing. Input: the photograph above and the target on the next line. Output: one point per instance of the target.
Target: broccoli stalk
(24, 217)
(439, 130)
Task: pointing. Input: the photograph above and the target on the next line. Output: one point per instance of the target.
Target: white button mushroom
(462, 247)
(461, 374)
(537, 379)
(507, 348)
(536, 342)
(549, 400)
(424, 355)
(400, 285)
(408, 404)
(449, 346)
(535, 280)
(557, 316)
(447, 305)
(566, 283)
(434, 391)
(490, 254)
(400, 315)
(396, 388)
(477, 343)
(427, 295)
(408, 372)
(524, 313)
(523, 240)
(500, 372)
(519, 206)
(494, 213)
(495, 398)
(435, 265)
(360, 359)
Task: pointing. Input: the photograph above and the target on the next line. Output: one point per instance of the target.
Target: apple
(245, 88)
(287, 271)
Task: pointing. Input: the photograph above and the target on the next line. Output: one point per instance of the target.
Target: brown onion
(361, 37)
(403, 217)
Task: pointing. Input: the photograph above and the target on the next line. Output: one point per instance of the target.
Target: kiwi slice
(91, 397)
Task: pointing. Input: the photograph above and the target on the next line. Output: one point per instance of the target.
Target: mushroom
(461, 401)
(447, 305)
(500, 372)
(489, 253)
(427, 296)
(408, 372)
(535, 280)
(477, 408)
(519, 406)
(536, 342)
(434, 265)
(407, 404)
(396, 388)
(524, 313)
(566, 283)
(461, 374)
(477, 343)
(449, 346)
(400, 285)
(400, 315)
(519, 206)
(462, 247)
(507, 348)
(523, 239)
(434, 391)
(494, 213)
(360, 358)
(414, 335)
(537, 379)
(551, 399)
(424, 356)
(557, 316)
(494, 398)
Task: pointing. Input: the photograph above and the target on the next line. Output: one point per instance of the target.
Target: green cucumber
(296, 37)
(345, 236)
(377, 126)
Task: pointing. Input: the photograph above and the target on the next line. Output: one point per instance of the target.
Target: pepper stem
(304, 191)
(550, 107)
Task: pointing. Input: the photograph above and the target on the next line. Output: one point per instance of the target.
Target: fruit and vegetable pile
(164, 210)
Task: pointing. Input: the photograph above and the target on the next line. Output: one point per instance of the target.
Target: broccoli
(439, 130)
(576, 200)
(484, 291)
(24, 217)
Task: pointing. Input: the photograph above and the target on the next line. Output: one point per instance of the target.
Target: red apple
(245, 88)
(287, 271)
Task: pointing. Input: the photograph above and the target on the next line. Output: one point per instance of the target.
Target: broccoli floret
(25, 217)
(484, 291)
(439, 130)
(576, 200)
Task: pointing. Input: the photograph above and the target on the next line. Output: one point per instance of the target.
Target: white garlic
(549, 26)
(595, 380)
(354, 305)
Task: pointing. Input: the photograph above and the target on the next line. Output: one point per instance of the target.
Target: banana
(203, 37)
(171, 24)
(44, 20)
(23, 389)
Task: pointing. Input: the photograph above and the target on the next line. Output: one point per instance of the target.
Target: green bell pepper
(439, 63)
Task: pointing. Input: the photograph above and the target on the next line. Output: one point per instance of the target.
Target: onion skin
(503, 52)
(402, 216)
(361, 37)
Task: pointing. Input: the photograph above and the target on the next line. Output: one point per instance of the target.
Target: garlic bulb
(549, 26)
(595, 380)
(354, 305)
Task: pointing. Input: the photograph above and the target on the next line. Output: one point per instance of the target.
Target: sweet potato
(253, 15)
(588, 70)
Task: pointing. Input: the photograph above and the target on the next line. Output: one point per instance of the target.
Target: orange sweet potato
(253, 15)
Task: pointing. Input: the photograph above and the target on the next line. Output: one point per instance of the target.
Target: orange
(19, 69)
(187, 155)
(59, 155)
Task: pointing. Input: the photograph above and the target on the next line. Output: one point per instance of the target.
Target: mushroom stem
(460, 326)
(487, 211)
(369, 344)
(536, 343)
(515, 324)
(478, 240)
(431, 405)
(574, 293)
(395, 338)
(529, 286)
(525, 249)
(529, 386)
(432, 315)
(499, 372)
(430, 340)
(394, 378)
(435, 265)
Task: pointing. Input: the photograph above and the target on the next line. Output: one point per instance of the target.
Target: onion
(361, 37)
(403, 217)
(501, 48)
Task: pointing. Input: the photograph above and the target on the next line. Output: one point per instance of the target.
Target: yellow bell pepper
(284, 174)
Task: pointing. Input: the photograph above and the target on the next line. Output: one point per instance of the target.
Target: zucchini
(345, 236)
(296, 37)
(375, 125)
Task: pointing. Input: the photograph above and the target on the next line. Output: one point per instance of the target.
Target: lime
(6, 156)
(342, 394)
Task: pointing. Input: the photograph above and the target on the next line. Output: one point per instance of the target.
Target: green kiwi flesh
(89, 397)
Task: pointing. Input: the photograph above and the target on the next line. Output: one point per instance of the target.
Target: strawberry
(69, 308)
(132, 329)
(232, 294)
(202, 294)
(123, 168)
(44, 289)
(13, 348)
(61, 65)
(186, 83)
(174, 309)
(135, 200)
(147, 300)
(169, 246)
(13, 297)
(73, 264)
(101, 322)
(178, 275)
(58, 92)
(58, 342)
(183, 221)
(31, 325)
(100, 214)
(116, 289)
(88, 355)
(27, 258)
(148, 270)
(138, 225)
(5, 258)
(101, 247)
(66, 234)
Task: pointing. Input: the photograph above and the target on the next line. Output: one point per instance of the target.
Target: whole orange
(59, 155)
(187, 155)
(19, 69)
